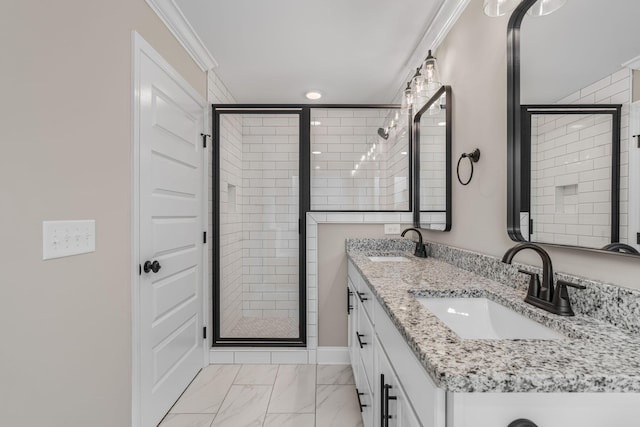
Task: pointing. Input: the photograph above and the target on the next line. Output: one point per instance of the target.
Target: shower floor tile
(265, 327)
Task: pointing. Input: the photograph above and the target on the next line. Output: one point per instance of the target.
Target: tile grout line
(225, 395)
(273, 386)
(315, 400)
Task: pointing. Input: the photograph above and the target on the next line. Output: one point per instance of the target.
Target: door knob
(151, 266)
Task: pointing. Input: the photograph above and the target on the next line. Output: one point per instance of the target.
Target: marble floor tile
(257, 374)
(337, 406)
(334, 375)
(187, 420)
(245, 405)
(207, 391)
(294, 391)
(290, 420)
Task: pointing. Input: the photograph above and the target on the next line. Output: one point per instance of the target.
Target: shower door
(258, 248)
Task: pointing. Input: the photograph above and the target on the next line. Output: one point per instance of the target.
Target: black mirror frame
(515, 153)
(415, 148)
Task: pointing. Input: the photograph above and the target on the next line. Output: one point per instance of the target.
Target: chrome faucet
(421, 250)
(554, 299)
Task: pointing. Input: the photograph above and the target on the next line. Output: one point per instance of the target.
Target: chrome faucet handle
(534, 283)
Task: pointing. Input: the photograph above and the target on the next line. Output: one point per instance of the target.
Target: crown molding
(435, 33)
(171, 15)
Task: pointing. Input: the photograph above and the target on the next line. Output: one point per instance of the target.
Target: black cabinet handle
(151, 266)
(362, 299)
(360, 401)
(386, 397)
(382, 412)
(349, 306)
(522, 422)
(362, 344)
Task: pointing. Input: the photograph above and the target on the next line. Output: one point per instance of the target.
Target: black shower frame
(613, 110)
(304, 113)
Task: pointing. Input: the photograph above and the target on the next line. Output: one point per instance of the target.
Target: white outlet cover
(66, 238)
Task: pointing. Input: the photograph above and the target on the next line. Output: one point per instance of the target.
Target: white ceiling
(273, 51)
(579, 44)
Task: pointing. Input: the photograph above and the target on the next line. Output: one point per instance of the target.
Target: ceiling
(577, 45)
(274, 51)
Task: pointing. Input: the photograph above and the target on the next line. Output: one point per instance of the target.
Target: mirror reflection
(579, 178)
(432, 131)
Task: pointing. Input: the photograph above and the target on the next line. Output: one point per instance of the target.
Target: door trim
(140, 46)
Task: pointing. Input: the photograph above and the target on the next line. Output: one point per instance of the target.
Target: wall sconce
(495, 8)
(424, 83)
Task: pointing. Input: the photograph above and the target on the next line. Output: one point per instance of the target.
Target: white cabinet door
(392, 407)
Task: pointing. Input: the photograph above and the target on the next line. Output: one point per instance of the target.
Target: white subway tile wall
(571, 168)
(270, 157)
(231, 192)
(352, 167)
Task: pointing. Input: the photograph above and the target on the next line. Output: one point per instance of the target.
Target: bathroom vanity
(411, 369)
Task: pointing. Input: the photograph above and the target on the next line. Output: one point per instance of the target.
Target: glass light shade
(499, 7)
(407, 99)
(545, 7)
(431, 76)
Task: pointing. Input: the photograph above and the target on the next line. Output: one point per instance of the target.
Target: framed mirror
(571, 121)
(432, 163)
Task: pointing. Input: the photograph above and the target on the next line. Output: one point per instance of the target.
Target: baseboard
(333, 356)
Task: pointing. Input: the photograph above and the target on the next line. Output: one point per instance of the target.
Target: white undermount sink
(388, 259)
(481, 318)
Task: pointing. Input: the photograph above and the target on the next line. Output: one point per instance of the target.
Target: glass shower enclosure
(259, 251)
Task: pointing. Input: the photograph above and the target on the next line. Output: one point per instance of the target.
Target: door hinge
(204, 237)
(204, 333)
(139, 269)
(638, 238)
(204, 139)
(299, 225)
(530, 226)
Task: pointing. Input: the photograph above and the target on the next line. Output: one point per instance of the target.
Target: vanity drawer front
(365, 341)
(427, 400)
(363, 293)
(366, 397)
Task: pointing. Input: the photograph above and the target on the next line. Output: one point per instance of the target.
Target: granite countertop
(595, 356)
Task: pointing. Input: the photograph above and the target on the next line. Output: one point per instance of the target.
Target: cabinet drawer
(364, 337)
(365, 397)
(363, 293)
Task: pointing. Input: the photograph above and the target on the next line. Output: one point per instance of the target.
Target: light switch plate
(66, 238)
(392, 229)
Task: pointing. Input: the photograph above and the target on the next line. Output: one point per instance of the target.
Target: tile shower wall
(352, 168)
(270, 203)
(433, 165)
(571, 168)
(231, 209)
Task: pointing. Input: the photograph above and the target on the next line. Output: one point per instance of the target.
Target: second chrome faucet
(421, 250)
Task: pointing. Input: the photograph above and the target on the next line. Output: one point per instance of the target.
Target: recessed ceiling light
(442, 124)
(316, 123)
(313, 95)
(404, 153)
(316, 152)
(317, 167)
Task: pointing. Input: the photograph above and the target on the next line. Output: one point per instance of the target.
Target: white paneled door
(171, 162)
